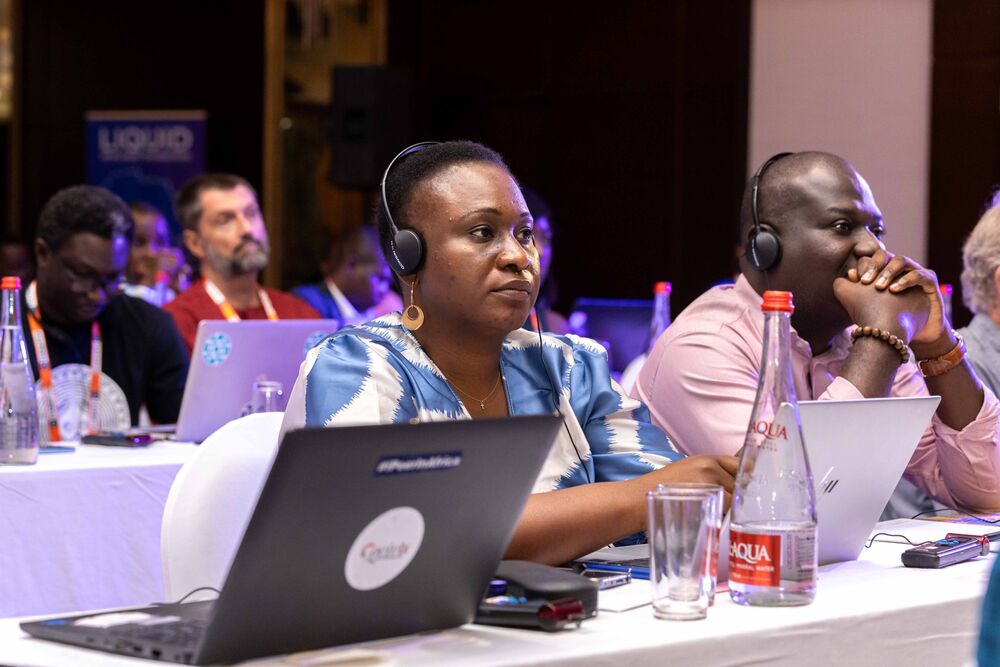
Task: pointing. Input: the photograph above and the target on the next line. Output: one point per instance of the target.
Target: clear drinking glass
(268, 396)
(684, 524)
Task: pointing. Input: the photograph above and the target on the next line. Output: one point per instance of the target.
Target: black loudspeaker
(371, 118)
(763, 249)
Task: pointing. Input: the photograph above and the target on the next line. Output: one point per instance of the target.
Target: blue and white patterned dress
(377, 373)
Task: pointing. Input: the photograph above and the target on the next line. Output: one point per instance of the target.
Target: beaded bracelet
(879, 334)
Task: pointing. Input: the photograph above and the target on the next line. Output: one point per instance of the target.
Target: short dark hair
(187, 203)
(83, 208)
(416, 168)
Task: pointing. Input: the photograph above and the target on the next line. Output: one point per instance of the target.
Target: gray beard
(248, 263)
(251, 262)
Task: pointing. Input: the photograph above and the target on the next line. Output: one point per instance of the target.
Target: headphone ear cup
(764, 250)
(406, 252)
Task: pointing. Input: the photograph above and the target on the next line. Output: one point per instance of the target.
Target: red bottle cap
(777, 301)
(945, 289)
(662, 288)
(10, 282)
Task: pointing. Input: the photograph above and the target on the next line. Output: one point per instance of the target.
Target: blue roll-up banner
(145, 155)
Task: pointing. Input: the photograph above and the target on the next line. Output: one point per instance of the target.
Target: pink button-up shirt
(701, 379)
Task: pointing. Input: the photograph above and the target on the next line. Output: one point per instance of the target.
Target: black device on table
(954, 548)
(531, 595)
(118, 439)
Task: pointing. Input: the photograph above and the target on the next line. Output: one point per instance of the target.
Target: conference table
(81, 529)
(869, 612)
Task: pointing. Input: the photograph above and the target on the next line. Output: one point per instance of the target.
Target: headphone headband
(756, 186)
(405, 251)
(764, 249)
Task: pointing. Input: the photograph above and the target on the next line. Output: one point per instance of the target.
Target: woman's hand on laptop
(719, 470)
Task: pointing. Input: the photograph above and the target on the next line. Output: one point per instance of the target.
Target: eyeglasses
(85, 283)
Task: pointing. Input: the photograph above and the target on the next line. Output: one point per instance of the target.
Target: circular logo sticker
(384, 548)
(217, 348)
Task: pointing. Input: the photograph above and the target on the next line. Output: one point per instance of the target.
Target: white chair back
(210, 503)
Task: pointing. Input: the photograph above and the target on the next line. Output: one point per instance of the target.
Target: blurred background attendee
(981, 293)
(548, 319)
(224, 230)
(83, 238)
(156, 271)
(355, 279)
(16, 259)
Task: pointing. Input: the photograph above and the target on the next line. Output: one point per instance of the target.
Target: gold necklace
(481, 401)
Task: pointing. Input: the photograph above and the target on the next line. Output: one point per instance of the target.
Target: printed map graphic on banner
(145, 155)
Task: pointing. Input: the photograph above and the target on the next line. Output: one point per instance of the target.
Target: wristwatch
(944, 363)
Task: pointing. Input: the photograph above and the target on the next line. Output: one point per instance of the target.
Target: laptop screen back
(376, 531)
(228, 357)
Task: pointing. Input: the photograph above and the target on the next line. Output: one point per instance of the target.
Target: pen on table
(636, 572)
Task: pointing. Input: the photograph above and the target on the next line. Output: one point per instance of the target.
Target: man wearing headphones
(810, 225)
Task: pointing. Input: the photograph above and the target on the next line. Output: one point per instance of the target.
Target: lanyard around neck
(45, 366)
(215, 294)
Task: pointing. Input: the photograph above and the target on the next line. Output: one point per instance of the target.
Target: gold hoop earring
(413, 316)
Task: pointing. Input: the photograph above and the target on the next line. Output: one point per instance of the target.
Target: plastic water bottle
(657, 325)
(772, 534)
(18, 407)
(661, 313)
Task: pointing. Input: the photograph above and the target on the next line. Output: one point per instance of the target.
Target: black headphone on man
(763, 249)
(405, 251)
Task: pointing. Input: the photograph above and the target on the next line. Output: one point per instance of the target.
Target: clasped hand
(895, 294)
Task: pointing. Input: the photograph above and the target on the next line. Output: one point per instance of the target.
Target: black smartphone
(118, 439)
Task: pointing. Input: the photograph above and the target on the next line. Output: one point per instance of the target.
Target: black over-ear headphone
(764, 249)
(405, 252)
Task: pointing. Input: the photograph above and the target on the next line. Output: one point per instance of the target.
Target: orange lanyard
(45, 367)
(215, 294)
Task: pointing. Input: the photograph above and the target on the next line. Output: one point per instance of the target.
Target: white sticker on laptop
(217, 348)
(384, 548)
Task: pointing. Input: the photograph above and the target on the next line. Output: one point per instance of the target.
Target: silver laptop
(359, 533)
(857, 451)
(228, 357)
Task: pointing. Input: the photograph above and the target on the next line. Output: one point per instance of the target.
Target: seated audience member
(154, 268)
(548, 319)
(82, 245)
(458, 352)
(980, 280)
(224, 230)
(16, 259)
(701, 378)
(355, 278)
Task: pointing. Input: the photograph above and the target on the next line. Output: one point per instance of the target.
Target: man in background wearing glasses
(75, 306)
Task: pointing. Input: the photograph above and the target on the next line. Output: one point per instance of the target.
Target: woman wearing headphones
(459, 237)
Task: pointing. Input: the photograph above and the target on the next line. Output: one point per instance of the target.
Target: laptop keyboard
(178, 633)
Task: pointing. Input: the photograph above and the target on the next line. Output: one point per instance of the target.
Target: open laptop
(228, 357)
(359, 533)
(858, 450)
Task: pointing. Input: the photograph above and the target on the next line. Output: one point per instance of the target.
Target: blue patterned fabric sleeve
(354, 380)
(623, 442)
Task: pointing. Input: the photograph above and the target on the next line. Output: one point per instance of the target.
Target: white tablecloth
(81, 530)
(872, 612)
